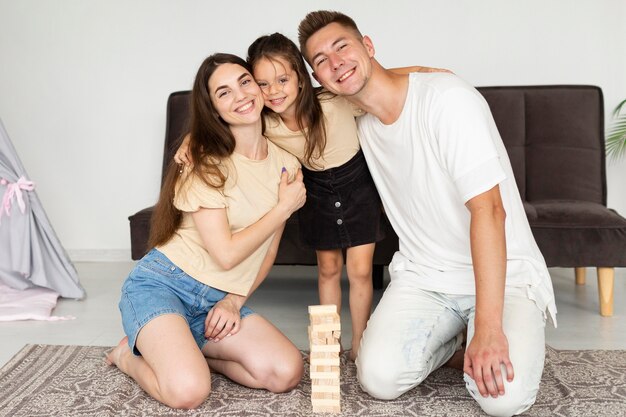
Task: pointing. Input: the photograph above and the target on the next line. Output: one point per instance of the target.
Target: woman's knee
(186, 392)
(283, 374)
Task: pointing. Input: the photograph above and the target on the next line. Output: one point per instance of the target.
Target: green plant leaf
(618, 108)
(616, 137)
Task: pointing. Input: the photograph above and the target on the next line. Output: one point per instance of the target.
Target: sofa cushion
(573, 233)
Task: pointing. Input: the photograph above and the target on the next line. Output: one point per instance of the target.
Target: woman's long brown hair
(308, 109)
(211, 141)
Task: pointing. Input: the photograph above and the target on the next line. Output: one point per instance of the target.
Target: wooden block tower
(324, 333)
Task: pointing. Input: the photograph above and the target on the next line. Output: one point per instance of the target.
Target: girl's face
(235, 95)
(279, 83)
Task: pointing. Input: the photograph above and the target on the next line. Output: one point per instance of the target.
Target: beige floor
(283, 299)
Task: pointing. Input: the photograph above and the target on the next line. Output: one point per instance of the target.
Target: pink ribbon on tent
(14, 189)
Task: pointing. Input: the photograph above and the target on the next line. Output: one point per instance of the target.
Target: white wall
(83, 83)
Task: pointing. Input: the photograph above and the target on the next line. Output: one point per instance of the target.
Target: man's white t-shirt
(443, 150)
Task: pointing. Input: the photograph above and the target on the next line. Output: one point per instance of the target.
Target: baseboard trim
(99, 255)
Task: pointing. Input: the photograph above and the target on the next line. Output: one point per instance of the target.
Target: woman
(215, 233)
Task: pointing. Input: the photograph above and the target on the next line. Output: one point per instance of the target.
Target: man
(467, 255)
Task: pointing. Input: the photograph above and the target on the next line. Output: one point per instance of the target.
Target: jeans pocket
(162, 266)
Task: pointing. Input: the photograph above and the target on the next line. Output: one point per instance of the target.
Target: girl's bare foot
(113, 357)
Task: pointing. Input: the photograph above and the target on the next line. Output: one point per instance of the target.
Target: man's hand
(484, 355)
(223, 319)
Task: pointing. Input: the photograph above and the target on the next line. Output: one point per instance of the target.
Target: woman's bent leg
(172, 368)
(359, 267)
(258, 356)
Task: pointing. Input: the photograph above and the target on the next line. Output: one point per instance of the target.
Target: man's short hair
(315, 21)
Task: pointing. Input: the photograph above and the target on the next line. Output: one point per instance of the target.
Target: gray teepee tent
(30, 252)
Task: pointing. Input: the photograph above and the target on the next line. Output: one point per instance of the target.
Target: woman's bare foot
(113, 357)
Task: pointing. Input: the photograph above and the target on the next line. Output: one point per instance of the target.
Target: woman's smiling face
(235, 95)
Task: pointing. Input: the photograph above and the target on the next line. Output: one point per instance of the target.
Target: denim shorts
(156, 286)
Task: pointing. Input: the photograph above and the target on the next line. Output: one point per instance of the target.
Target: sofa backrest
(177, 124)
(554, 136)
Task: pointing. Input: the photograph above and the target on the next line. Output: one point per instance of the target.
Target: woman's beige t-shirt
(250, 191)
(342, 142)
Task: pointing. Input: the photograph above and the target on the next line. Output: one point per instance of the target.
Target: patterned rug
(46, 380)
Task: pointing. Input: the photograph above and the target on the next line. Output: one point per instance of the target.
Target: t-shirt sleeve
(192, 194)
(291, 164)
(467, 149)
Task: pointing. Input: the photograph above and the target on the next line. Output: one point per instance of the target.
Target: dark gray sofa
(555, 139)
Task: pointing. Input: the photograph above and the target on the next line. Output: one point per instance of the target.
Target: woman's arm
(224, 318)
(230, 249)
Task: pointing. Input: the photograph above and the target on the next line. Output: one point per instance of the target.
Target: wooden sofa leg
(581, 275)
(606, 278)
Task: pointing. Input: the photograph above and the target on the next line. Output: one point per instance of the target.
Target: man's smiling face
(340, 59)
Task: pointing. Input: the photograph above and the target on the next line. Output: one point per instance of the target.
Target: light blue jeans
(413, 331)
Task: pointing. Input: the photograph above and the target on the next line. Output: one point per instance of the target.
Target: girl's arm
(415, 68)
(230, 249)
(182, 153)
(224, 318)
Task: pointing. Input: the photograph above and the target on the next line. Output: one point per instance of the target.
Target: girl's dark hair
(210, 142)
(308, 109)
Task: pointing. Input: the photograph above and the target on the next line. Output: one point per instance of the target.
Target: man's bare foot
(456, 361)
(114, 356)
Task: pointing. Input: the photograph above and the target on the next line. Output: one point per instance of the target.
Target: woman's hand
(182, 156)
(291, 195)
(223, 319)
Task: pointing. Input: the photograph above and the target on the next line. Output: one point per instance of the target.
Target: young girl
(343, 210)
(215, 232)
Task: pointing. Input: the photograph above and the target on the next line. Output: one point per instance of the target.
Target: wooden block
(324, 361)
(323, 309)
(325, 348)
(324, 355)
(333, 389)
(330, 382)
(334, 409)
(319, 396)
(326, 327)
(324, 375)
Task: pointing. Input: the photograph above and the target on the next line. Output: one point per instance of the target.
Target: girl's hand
(182, 156)
(291, 195)
(223, 319)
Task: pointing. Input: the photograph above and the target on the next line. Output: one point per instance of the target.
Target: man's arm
(417, 68)
(489, 347)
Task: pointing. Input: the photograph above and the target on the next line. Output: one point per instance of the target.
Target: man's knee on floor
(383, 379)
(517, 398)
